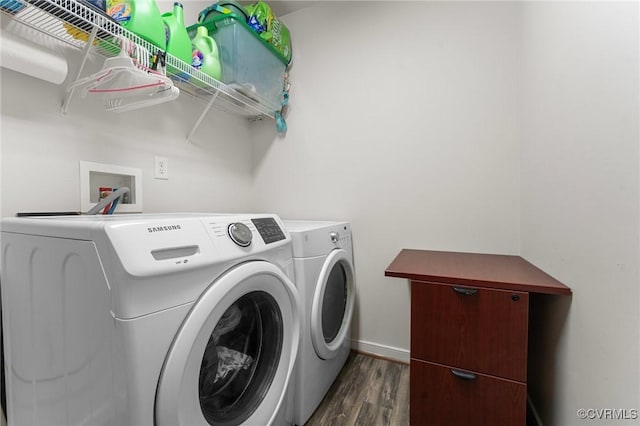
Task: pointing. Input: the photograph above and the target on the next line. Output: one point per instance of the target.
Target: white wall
(404, 122)
(41, 150)
(580, 197)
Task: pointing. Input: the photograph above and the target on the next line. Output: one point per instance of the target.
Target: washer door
(332, 305)
(233, 356)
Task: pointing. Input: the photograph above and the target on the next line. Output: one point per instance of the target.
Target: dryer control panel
(317, 238)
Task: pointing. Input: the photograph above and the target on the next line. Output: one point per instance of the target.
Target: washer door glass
(240, 359)
(332, 305)
(232, 359)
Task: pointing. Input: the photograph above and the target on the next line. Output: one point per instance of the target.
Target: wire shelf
(75, 23)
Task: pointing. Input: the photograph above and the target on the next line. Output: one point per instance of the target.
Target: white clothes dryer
(135, 320)
(325, 278)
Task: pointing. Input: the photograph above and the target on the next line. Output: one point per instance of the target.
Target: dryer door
(232, 358)
(332, 305)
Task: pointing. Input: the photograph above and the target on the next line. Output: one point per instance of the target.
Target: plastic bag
(262, 20)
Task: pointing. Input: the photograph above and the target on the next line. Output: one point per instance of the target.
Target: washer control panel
(268, 229)
(245, 233)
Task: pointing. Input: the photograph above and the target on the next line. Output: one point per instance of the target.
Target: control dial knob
(334, 237)
(240, 234)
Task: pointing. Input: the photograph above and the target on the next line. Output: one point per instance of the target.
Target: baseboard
(381, 351)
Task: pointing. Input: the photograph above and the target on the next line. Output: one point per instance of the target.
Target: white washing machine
(137, 320)
(325, 278)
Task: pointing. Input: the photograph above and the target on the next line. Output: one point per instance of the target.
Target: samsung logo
(164, 228)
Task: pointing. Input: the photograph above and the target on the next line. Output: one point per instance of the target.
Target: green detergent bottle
(178, 41)
(141, 17)
(205, 54)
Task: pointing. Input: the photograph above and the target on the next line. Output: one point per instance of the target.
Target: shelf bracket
(199, 121)
(85, 56)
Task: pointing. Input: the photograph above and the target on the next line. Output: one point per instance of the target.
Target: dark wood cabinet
(439, 397)
(453, 325)
(469, 325)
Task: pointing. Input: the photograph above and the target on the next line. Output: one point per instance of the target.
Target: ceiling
(281, 8)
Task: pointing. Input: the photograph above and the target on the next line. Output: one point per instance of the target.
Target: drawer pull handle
(465, 291)
(463, 375)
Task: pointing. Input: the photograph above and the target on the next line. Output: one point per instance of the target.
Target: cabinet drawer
(482, 330)
(438, 397)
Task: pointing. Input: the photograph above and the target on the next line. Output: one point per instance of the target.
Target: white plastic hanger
(124, 104)
(123, 77)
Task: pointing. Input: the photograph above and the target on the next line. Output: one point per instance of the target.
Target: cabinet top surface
(474, 269)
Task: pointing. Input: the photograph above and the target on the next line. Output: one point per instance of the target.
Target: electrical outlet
(161, 167)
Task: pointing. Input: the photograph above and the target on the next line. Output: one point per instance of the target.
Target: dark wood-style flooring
(368, 391)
